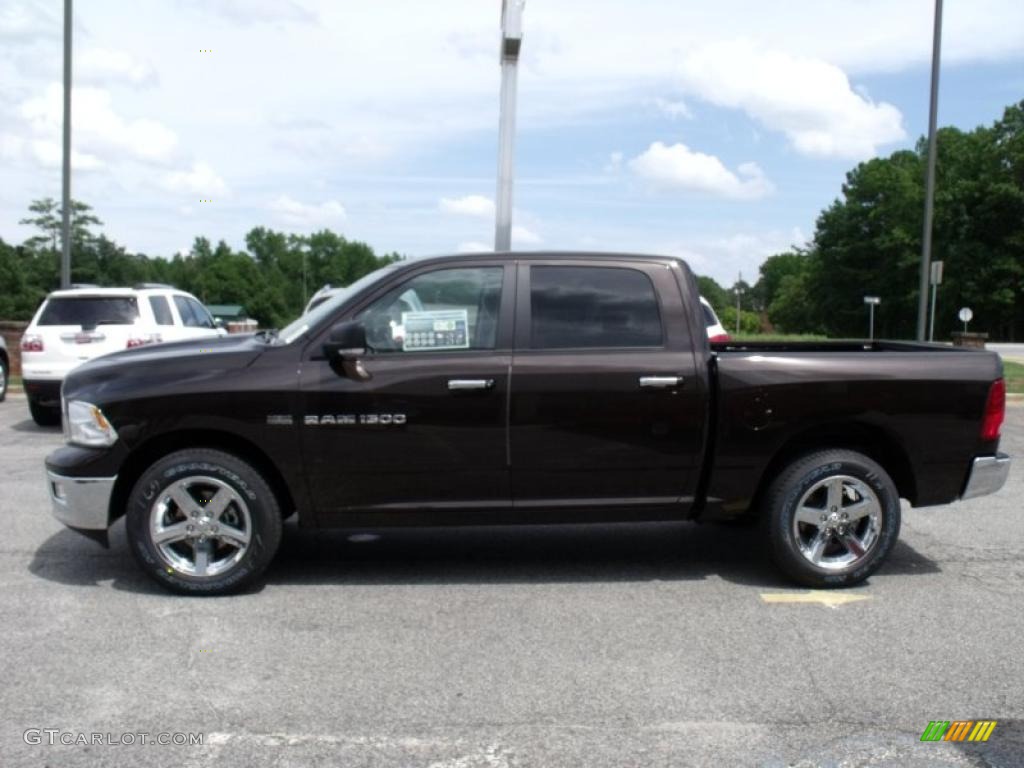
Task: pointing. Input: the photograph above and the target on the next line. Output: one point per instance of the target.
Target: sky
(713, 131)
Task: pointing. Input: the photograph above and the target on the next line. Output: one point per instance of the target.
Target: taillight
(720, 338)
(140, 341)
(31, 342)
(995, 409)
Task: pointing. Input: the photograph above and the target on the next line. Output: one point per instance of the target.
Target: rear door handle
(660, 382)
(463, 384)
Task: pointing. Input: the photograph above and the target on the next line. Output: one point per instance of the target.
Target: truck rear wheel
(203, 522)
(832, 518)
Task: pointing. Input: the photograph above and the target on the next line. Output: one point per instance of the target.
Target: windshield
(297, 328)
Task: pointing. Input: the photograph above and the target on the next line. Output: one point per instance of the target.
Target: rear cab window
(89, 311)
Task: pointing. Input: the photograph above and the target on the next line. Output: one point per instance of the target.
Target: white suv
(78, 324)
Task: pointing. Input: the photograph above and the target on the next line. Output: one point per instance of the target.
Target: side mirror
(346, 341)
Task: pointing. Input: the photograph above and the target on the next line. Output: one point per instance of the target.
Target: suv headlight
(86, 425)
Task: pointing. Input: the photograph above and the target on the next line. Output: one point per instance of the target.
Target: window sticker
(436, 329)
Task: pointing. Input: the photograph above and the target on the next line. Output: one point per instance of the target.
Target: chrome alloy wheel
(837, 522)
(200, 526)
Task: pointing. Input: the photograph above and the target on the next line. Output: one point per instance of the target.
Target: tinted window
(447, 309)
(90, 311)
(709, 316)
(202, 315)
(193, 314)
(161, 310)
(592, 307)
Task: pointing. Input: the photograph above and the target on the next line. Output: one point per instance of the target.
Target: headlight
(86, 425)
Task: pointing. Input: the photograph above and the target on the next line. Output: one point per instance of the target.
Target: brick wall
(12, 331)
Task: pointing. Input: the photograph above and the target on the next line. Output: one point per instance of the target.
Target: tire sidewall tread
(264, 513)
(785, 493)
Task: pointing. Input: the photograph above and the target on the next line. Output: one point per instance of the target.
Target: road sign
(966, 315)
(936, 273)
(872, 300)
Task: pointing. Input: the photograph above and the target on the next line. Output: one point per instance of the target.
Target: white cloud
(674, 109)
(105, 65)
(724, 257)
(470, 205)
(305, 215)
(98, 129)
(474, 246)
(50, 154)
(523, 236)
(200, 180)
(677, 166)
(808, 99)
(614, 164)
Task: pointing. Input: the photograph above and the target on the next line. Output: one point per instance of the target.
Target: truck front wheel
(203, 522)
(832, 518)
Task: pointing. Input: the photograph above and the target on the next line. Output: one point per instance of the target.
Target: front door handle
(457, 385)
(660, 382)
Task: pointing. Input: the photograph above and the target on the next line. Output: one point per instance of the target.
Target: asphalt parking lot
(641, 645)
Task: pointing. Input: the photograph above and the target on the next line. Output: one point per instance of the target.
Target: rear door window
(161, 310)
(586, 307)
(90, 311)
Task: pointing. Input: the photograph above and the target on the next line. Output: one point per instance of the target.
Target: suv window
(90, 311)
(446, 309)
(161, 310)
(709, 316)
(573, 307)
(193, 314)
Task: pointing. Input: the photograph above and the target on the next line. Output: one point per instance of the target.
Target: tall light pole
(65, 259)
(872, 302)
(511, 41)
(929, 184)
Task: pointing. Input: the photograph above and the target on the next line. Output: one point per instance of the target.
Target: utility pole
(65, 260)
(511, 41)
(929, 184)
(739, 294)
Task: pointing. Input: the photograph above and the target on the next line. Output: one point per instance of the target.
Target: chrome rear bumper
(81, 502)
(988, 474)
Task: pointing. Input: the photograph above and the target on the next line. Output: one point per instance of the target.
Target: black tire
(792, 541)
(4, 378)
(263, 521)
(44, 415)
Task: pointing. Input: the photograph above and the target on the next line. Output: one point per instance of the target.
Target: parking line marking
(826, 597)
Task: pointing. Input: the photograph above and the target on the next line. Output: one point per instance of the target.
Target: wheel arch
(157, 447)
(873, 441)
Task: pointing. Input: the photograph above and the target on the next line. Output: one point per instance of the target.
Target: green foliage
(713, 292)
(868, 242)
(273, 279)
(1014, 375)
(750, 322)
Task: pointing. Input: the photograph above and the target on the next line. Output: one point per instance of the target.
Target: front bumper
(82, 503)
(987, 475)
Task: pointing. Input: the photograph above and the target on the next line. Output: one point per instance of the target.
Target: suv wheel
(44, 415)
(203, 522)
(832, 518)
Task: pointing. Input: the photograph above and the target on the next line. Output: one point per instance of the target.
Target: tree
(49, 221)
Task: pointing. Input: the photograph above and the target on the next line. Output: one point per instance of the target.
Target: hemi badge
(279, 420)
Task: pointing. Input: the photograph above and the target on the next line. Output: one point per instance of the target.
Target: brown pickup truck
(515, 388)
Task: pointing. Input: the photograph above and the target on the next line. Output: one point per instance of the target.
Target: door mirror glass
(346, 340)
